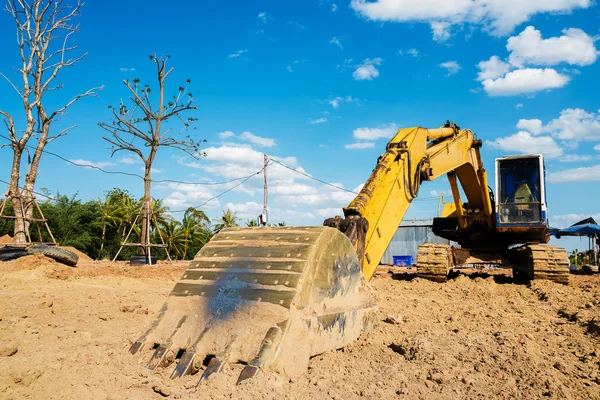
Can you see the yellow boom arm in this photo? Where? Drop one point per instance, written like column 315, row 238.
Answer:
column 412, row 156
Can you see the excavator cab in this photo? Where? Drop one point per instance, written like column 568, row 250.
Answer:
column 521, row 195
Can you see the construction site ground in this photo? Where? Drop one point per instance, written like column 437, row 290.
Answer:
column 65, row 334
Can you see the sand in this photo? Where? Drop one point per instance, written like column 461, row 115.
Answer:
column 64, row 334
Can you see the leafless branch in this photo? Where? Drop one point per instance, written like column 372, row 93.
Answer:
column 91, row 92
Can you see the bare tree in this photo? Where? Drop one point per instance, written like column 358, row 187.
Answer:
column 144, row 125
column 43, row 29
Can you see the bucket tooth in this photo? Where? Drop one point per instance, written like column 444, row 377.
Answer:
column 214, row 367
column 161, row 358
column 188, row 365
column 249, row 371
column 137, row 346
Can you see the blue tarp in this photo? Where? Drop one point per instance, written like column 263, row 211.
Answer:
column 577, row 230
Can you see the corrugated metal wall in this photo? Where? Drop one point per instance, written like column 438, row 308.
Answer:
column 409, row 236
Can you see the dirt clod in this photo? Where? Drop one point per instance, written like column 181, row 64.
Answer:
column 8, row 349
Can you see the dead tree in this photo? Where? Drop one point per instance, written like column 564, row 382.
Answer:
column 43, row 29
column 146, row 124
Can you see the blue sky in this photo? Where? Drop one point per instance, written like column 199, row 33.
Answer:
column 321, row 85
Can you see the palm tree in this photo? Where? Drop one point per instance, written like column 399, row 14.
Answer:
column 251, row 223
column 174, row 238
column 159, row 212
column 227, row 220
column 194, row 227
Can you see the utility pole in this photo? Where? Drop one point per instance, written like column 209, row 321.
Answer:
column 263, row 219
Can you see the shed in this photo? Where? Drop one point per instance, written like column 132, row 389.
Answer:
column 409, row 236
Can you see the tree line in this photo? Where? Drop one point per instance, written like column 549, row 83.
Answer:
column 98, row 227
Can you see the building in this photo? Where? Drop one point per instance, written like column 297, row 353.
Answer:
column 407, row 239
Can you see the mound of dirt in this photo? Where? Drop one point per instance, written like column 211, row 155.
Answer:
column 6, row 239
column 82, row 255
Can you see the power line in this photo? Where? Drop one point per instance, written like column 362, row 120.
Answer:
column 135, row 175
column 335, row 186
column 222, row 193
column 33, row 191
column 312, row 177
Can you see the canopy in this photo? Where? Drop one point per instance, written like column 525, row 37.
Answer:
column 577, row 230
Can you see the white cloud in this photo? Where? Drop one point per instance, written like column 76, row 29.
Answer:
column 451, row 67
column 238, row 53
column 247, row 210
column 360, row 146
column 128, row 160
column 226, row 134
column 574, row 124
column 492, row 69
column 334, row 7
column 386, row 131
column 584, row 174
column 336, row 41
column 500, row 78
column 126, row 69
column 154, row 170
column 519, row 106
column 257, row 140
column 575, row 47
column 437, row 193
column 329, row 212
column 182, row 196
column 87, row 163
column 290, row 67
column 525, row 81
column 413, row 52
column 318, row 120
column 441, row 30
column 498, row 17
column 597, row 147
column 263, row 17
column 526, row 143
column 575, row 158
column 566, row 220
column 367, row 70
column 534, row 126
column 335, row 101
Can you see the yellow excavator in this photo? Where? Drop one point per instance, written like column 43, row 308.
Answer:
column 272, row 297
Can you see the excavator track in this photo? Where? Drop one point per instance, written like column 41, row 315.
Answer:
column 269, row 298
column 434, row 261
column 549, row 262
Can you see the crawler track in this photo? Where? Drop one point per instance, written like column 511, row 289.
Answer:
column 434, row 261
column 549, row 262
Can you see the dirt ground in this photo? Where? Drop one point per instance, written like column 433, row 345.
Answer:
column 65, row 332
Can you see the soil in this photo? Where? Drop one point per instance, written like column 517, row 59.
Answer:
column 82, row 256
column 6, row 239
column 65, row 333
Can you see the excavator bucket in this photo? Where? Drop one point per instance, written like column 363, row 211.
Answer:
column 269, row 298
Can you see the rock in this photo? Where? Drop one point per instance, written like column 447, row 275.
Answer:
column 8, row 349
column 589, row 305
column 439, row 378
column 394, row 320
column 468, row 380
column 163, row 391
column 559, row 365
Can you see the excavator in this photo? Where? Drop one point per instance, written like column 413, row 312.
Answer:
column 272, row 297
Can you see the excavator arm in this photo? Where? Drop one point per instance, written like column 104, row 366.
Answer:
column 272, row 297
column 412, row 156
